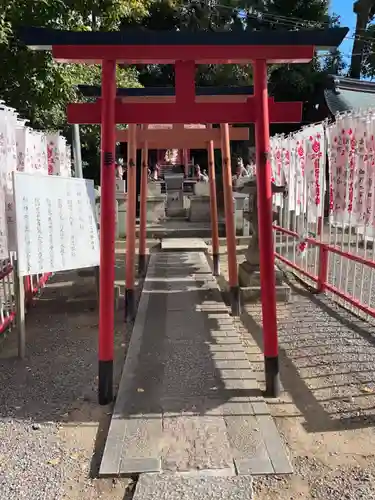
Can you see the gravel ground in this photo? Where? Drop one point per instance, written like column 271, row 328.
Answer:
column 52, row 430
column 326, row 414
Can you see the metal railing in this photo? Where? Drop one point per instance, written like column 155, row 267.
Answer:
column 8, row 299
column 336, row 260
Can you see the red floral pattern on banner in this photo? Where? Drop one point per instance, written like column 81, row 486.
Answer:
column 316, row 158
column 51, row 158
column 300, row 149
column 351, row 142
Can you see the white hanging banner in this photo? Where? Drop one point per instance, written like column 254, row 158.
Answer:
column 53, row 153
column 8, row 125
column 4, row 249
column 315, row 171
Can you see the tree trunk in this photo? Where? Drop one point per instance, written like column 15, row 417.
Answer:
column 362, row 9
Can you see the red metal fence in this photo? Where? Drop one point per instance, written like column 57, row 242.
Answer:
column 8, row 299
column 338, row 262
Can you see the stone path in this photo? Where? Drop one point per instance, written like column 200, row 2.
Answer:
column 188, row 400
column 179, row 487
column 183, row 244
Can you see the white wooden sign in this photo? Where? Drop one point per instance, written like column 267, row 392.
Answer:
column 55, row 223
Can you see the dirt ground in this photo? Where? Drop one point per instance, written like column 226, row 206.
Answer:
column 326, row 414
column 52, row 430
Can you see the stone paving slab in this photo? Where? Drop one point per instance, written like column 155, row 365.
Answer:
column 188, row 399
column 180, row 487
column 183, row 244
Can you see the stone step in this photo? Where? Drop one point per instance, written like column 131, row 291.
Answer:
column 199, row 487
column 191, row 231
column 254, row 293
column 176, row 212
column 250, row 276
column 183, row 245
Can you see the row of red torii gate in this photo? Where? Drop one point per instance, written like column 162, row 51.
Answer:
column 185, row 51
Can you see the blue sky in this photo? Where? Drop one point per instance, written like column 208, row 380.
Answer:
column 344, row 8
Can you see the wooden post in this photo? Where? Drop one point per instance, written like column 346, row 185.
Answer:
column 185, row 158
column 229, row 222
column 131, row 225
column 143, row 213
column 19, row 291
column 213, row 207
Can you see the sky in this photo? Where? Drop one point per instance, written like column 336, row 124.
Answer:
column 344, row 8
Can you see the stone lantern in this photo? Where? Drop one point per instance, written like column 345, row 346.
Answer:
column 249, row 271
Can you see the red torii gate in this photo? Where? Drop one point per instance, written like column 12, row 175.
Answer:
column 179, row 137
column 167, row 95
column 185, row 50
column 290, row 112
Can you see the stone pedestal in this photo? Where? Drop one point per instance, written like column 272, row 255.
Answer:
column 199, row 209
column 121, row 199
column 188, row 186
column 239, row 206
column 174, row 181
column 249, row 279
column 199, row 203
column 202, row 189
column 155, row 208
column 239, row 182
column 175, row 199
column 120, row 186
column 154, row 188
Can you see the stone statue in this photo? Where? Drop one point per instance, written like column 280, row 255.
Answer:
column 155, row 175
column 119, row 169
column 250, row 188
column 197, row 169
column 241, row 170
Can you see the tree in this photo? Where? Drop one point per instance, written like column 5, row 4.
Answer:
column 295, row 81
column 364, row 10
column 196, row 15
column 38, row 87
column 287, row 82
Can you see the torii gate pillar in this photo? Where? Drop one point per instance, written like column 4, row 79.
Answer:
column 230, row 229
column 266, row 247
column 213, row 208
column 143, row 212
column 107, row 234
column 131, row 224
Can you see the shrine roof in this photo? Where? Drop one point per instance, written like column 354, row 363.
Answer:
column 348, row 94
column 95, row 91
column 143, row 46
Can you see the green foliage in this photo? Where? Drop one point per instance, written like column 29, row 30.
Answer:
column 194, row 16
column 368, row 61
column 38, row 87
column 288, row 82
column 295, row 81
